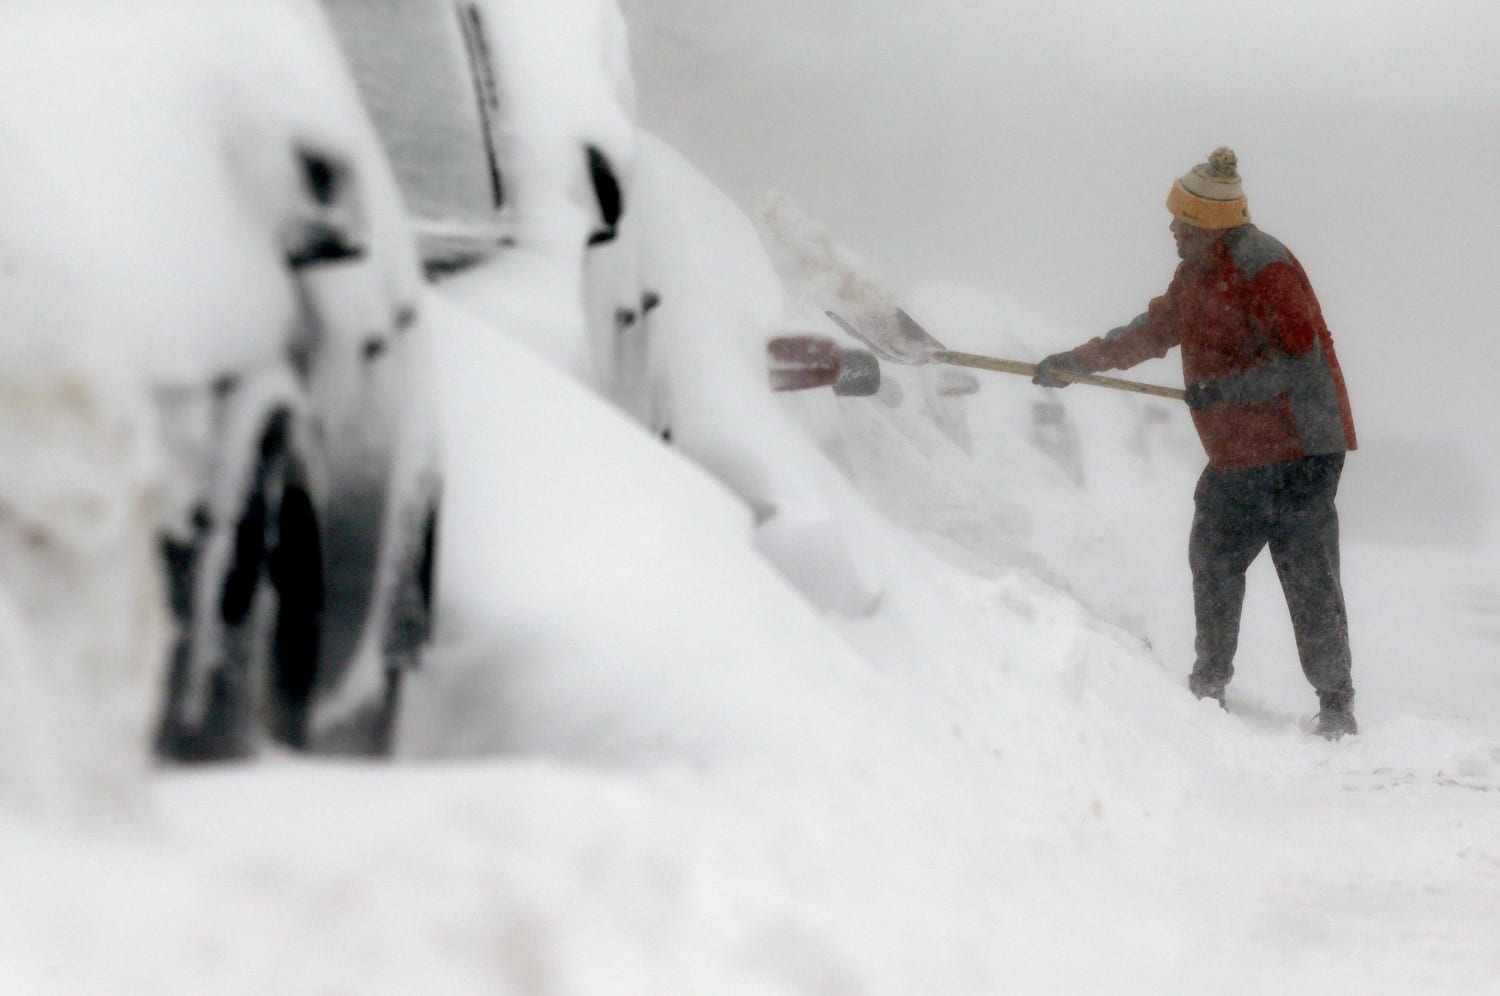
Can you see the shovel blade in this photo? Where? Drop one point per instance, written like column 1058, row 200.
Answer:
column 894, row 336
column 802, row 362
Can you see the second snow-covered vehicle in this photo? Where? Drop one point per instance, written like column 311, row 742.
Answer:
column 511, row 129
column 199, row 185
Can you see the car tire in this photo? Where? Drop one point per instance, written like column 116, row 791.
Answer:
column 371, row 731
column 295, row 572
column 268, row 602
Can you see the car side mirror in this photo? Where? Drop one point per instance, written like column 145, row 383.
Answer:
column 607, row 193
column 328, row 223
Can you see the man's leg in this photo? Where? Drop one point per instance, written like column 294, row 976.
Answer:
column 1305, row 548
column 1229, row 530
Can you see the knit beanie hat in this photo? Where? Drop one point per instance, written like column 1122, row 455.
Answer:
column 1209, row 195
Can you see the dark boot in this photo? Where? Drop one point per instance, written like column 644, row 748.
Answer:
column 1335, row 718
column 1206, row 688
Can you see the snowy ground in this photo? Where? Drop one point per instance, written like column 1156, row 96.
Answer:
column 1013, row 798
column 642, row 760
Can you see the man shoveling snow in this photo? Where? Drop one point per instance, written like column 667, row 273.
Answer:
column 1270, row 407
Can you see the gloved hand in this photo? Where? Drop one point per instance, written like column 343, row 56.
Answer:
column 1203, row 394
column 1046, row 371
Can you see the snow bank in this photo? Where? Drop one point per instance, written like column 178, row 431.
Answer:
column 721, row 303
column 600, row 599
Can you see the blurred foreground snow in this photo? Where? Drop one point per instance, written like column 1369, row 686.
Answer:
column 82, row 610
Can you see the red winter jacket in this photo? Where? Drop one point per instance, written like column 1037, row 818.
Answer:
column 1247, row 320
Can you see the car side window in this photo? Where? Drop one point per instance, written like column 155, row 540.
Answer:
column 486, row 90
column 423, row 70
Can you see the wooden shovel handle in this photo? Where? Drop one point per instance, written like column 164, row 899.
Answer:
column 1029, row 370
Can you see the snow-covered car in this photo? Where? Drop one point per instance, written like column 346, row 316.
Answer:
column 511, row 130
column 201, row 181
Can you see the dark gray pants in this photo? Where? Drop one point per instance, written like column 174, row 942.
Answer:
column 1289, row 507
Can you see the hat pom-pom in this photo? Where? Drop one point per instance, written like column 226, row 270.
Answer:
column 1222, row 162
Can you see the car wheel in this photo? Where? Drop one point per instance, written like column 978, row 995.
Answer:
column 268, row 601
column 294, row 568
column 372, row 730
column 224, row 728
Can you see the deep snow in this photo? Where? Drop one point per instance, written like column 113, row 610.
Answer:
column 927, row 733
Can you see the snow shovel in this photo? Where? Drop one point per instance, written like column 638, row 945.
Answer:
column 798, row 362
column 911, row 344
